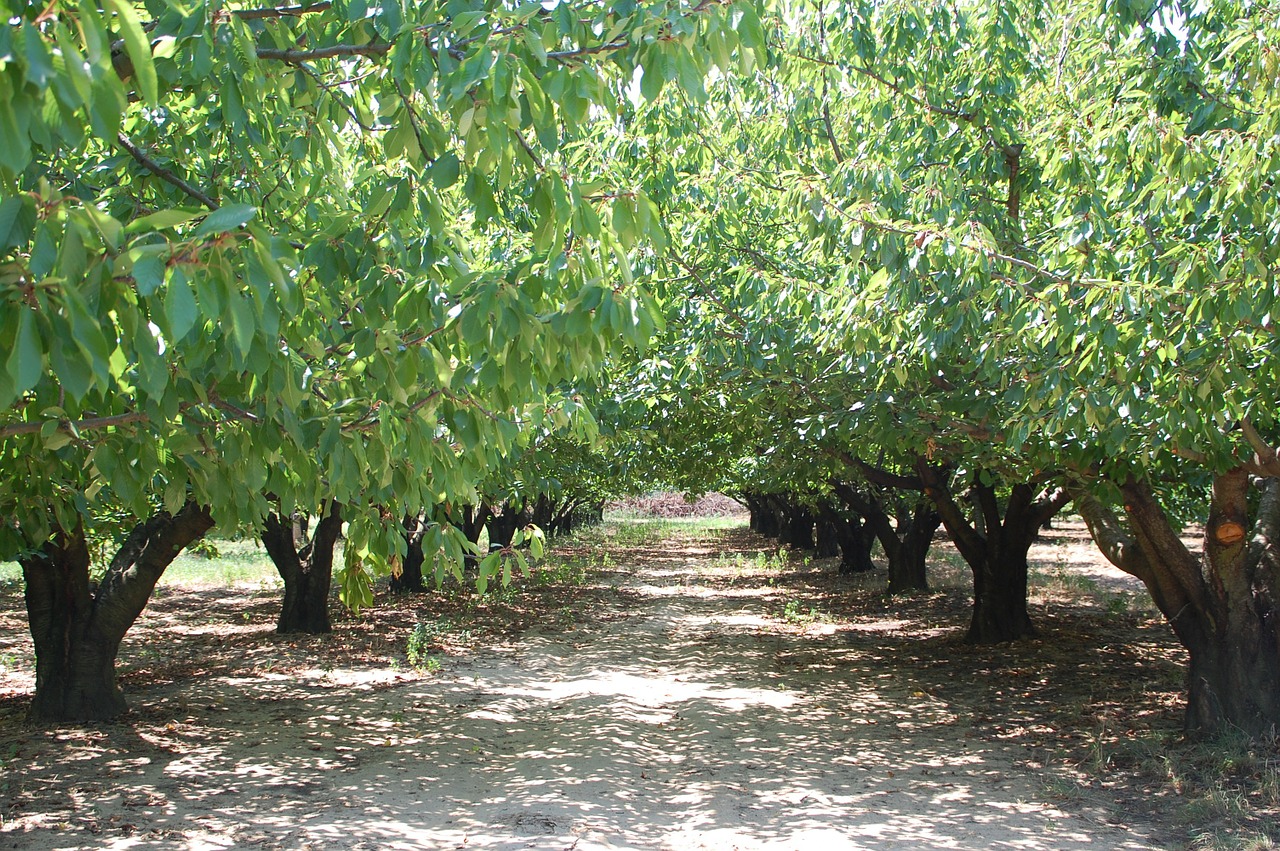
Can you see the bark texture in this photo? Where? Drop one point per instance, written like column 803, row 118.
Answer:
column 410, row 579
column 305, row 563
column 905, row 536
column 994, row 543
column 77, row 627
column 1223, row 605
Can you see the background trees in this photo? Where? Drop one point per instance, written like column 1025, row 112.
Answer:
column 260, row 260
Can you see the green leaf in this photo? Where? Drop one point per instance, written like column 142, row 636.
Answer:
column 26, row 361
column 226, row 218
column 15, row 144
column 179, row 307
column 148, row 274
column 445, row 171
column 533, row 41
column 243, row 323
column 39, row 64
column 139, row 49
column 15, row 223
column 162, row 219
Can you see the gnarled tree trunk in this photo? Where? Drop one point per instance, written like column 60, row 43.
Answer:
column 77, row 628
column 852, row 536
column 306, row 566
column 995, row 549
column 1224, row 606
column 905, row 541
column 796, row 522
column 767, row 515
column 410, row 579
column 503, row 526
column 826, row 538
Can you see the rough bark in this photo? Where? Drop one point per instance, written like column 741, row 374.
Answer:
column 913, row 537
column 994, row 544
column 473, row 523
column 77, row 628
column 765, row 513
column 305, row 563
column 905, row 537
column 1223, row 606
column 754, row 507
column 503, row 525
column 853, row 537
column 796, row 522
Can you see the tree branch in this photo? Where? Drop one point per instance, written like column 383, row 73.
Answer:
column 878, row 475
column 335, row 51
column 89, row 424
column 570, row 55
column 1117, row 545
column 1265, row 461
column 163, row 173
column 280, row 12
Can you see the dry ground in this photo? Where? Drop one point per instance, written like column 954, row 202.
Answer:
column 688, row 691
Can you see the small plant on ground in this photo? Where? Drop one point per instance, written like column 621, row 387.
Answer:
column 571, row 572
column 1227, row 787
column 426, row 639
column 796, row 613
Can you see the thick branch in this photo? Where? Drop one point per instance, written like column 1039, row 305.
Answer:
column 280, row 12
column 335, row 51
column 1049, row 505
column 1013, row 159
column 1117, row 545
column 90, row 424
column 1265, row 461
column 968, row 540
column 1162, row 544
column 879, row 476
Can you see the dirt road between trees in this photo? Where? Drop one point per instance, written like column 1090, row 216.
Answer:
column 692, row 700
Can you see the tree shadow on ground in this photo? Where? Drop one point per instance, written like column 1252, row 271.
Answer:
column 686, row 706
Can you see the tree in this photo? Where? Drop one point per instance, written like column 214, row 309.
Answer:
column 304, row 560
column 329, row 252
column 77, row 623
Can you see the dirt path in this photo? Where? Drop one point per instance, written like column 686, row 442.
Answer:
column 680, row 717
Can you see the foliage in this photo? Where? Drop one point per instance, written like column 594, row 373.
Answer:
column 329, row 251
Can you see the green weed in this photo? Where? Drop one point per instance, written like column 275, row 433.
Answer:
column 795, row 613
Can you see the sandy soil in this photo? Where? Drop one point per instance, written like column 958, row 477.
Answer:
column 686, row 702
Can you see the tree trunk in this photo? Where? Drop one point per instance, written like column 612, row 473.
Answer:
column 306, row 566
column 474, row 519
column 995, row 549
column 852, row 536
column 503, row 526
column 906, row 543
column 797, row 524
column 410, row 579
column 768, row 517
column 913, row 538
column 1224, row 606
column 827, row 540
column 77, row 629
column 1000, row 597
column 543, row 512
column 752, row 502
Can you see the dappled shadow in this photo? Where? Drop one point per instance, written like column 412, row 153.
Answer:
column 701, row 712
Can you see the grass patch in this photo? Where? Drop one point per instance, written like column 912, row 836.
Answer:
column 220, row 563
column 225, row 563
column 1224, row 789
